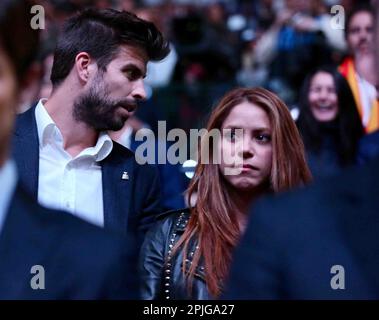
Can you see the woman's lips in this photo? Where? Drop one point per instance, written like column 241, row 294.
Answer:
column 247, row 167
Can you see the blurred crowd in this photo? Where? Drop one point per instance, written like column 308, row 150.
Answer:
column 217, row 45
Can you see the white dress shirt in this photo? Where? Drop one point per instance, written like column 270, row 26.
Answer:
column 67, row 183
column 8, row 180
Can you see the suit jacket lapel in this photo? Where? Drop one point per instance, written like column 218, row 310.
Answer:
column 26, row 151
column 116, row 190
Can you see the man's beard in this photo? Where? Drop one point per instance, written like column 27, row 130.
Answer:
column 98, row 111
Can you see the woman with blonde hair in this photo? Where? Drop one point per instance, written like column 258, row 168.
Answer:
column 187, row 254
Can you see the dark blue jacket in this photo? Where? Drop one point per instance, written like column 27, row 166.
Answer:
column 173, row 181
column 80, row 261
column 368, row 148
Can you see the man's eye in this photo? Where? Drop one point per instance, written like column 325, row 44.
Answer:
column 132, row 75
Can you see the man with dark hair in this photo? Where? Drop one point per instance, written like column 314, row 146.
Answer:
column 359, row 67
column 47, row 254
column 65, row 157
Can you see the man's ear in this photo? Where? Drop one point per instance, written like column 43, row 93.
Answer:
column 83, row 66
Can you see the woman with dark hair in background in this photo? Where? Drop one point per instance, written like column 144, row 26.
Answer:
column 328, row 122
column 188, row 253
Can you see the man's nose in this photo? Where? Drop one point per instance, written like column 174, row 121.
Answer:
column 139, row 92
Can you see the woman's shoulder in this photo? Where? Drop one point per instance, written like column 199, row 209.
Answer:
column 174, row 219
column 168, row 223
column 173, row 213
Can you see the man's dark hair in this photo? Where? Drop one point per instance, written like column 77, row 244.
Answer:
column 362, row 7
column 100, row 33
column 15, row 18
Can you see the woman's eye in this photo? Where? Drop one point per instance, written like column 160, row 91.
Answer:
column 263, row 137
column 233, row 135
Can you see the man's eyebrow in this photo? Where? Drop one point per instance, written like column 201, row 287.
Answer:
column 135, row 68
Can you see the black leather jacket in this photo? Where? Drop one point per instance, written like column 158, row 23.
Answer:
column 161, row 274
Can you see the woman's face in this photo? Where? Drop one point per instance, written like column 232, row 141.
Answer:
column 246, row 148
column 322, row 97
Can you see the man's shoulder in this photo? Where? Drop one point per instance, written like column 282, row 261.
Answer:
column 25, row 120
column 356, row 184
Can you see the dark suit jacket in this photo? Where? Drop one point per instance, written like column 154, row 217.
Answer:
column 368, row 147
column 80, row 261
column 174, row 182
column 292, row 242
column 128, row 204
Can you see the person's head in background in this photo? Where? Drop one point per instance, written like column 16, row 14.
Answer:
column 99, row 65
column 327, row 104
column 270, row 156
column 15, row 58
column 127, row 5
column 359, row 30
column 298, row 6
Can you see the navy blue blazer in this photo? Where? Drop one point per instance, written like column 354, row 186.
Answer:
column 293, row 241
column 173, row 181
column 368, row 147
column 80, row 261
column 128, row 204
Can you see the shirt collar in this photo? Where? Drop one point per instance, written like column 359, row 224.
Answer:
column 8, row 180
column 45, row 124
column 47, row 128
column 102, row 149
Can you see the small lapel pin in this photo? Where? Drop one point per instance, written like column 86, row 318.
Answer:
column 125, row 176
